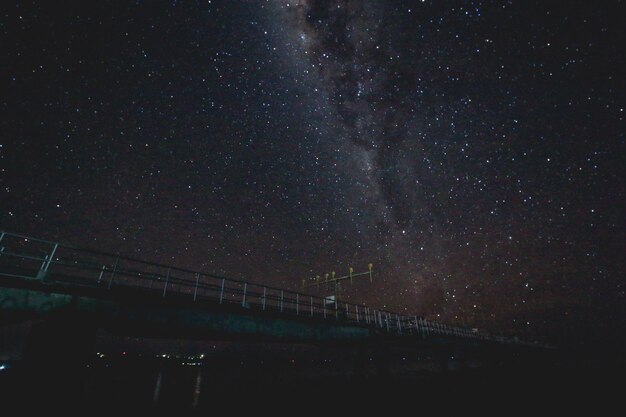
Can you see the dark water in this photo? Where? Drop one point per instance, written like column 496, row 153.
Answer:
column 299, row 384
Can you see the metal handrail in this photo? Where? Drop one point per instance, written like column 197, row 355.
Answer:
column 231, row 291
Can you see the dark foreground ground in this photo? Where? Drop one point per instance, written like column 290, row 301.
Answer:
column 289, row 383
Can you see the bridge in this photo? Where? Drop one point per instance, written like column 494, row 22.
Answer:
column 77, row 290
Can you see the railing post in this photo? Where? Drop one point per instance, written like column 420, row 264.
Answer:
column 336, row 309
column 347, row 312
column 387, row 321
column 398, row 324
column 167, row 280
column 117, row 260
column 101, row 273
column 282, row 296
column 46, row 263
column 311, row 306
column 324, row 306
column 222, row 291
column 245, row 288
column 356, row 307
column 195, row 291
column 297, row 303
column 264, row 292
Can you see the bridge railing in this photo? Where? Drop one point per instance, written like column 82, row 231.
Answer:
column 25, row 257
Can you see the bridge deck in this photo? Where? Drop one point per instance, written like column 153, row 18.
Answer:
column 38, row 276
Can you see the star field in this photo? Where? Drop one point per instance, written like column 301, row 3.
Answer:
column 471, row 150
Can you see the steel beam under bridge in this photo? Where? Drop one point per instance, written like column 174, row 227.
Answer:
column 154, row 317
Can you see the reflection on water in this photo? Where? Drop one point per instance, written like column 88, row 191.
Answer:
column 196, row 391
column 157, row 387
column 201, row 383
column 164, row 382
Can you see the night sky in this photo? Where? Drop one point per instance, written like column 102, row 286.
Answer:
column 473, row 151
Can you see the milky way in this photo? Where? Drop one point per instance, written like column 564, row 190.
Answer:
column 343, row 43
column 436, row 108
column 471, row 150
